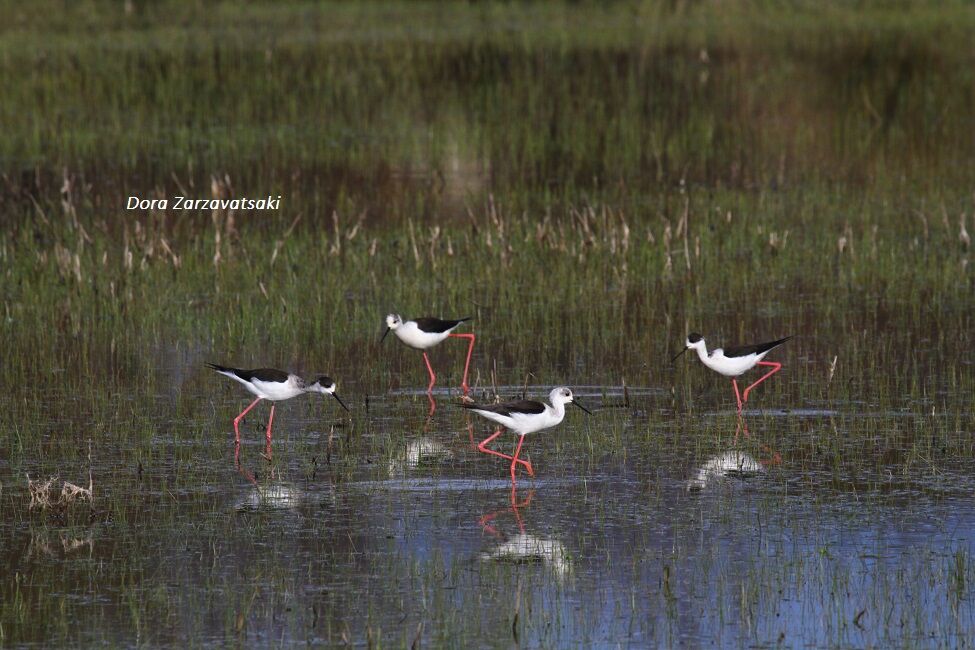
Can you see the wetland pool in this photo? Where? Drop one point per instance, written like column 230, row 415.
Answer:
column 643, row 526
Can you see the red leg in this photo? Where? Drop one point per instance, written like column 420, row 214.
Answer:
column 270, row 421
column 775, row 368
column 241, row 417
column 737, row 396
column 515, row 462
column 433, row 406
column 483, row 445
column 267, row 452
column 433, row 377
column 514, row 459
column 467, row 364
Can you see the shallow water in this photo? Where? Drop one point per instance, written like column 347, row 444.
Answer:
column 641, row 527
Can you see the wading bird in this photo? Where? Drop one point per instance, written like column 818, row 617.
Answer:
column 733, row 362
column 275, row 386
column 524, row 417
column 424, row 333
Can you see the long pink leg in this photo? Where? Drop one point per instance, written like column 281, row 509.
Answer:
column 483, row 445
column 433, row 377
column 241, row 417
column 467, row 364
column 775, row 368
column 515, row 461
column 737, row 396
column 267, row 453
column 433, row 407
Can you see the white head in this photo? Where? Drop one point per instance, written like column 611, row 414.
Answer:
column 326, row 386
column 562, row 395
column 393, row 321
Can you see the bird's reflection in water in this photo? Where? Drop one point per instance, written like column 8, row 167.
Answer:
column 419, row 453
column 734, row 466
column 728, row 466
column 523, row 547
column 269, row 494
column 272, row 496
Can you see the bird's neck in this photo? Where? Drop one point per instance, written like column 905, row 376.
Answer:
column 702, row 352
column 557, row 409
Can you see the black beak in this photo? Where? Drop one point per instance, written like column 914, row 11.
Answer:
column 582, row 407
column 384, row 335
column 339, row 399
column 678, row 354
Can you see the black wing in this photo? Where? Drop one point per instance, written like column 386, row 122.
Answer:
column 758, row 348
column 261, row 374
column 526, row 406
column 436, row 326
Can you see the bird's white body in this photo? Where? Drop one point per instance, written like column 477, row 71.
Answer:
column 734, row 361
column 727, row 366
column 424, row 333
column 274, row 391
column 278, row 391
column 524, row 417
column 274, row 386
column 411, row 334
column 525, row 423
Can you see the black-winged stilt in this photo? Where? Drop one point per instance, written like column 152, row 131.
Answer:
column 733, row 362
column 274, row 386
column 424, row 333
column 524, row 417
